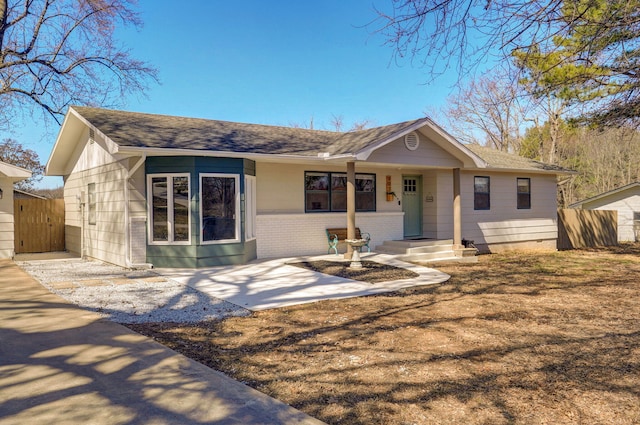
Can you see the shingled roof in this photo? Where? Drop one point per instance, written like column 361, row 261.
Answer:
column 508, row 161
column 132, row 129
column 140, row 130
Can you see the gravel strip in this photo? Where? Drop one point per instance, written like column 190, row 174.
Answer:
column 126, row 295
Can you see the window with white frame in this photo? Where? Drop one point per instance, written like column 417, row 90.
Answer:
column 169, row 208
column 250, row 207
column 219, row 208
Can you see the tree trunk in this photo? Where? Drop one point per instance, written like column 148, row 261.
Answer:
column 3, row 21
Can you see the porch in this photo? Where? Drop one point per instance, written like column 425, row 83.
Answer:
column 286, row 235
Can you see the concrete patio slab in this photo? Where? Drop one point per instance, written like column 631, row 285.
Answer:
column 273, row 283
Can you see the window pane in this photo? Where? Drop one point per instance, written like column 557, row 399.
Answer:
column 180, row 209
column 365, row 201
column 339, row 182
column 524, row 193
column 317, row 191
column 338, row 192
column 481, row 197
column 316, row 181
column 365, row 192
column 218, row 205
column 318, row 201
column 338, row 200
column 160, row 205
column 481, row 185
column 524, row 201
column 523, row 185
column 250, row 207
column 365, row 183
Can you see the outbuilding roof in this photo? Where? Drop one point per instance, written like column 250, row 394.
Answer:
column 603, row 195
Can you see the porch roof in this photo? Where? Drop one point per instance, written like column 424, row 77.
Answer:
column 14, row 173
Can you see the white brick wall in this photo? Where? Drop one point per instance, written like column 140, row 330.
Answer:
column 286, row 235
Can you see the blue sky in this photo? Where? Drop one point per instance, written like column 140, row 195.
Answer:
column 268, row 62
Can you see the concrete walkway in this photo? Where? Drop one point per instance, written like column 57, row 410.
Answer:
column 60, row 364
column 273, row 283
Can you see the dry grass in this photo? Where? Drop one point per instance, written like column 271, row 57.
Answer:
column 521, row 338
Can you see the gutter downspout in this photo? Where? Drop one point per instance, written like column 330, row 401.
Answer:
column 127, row 235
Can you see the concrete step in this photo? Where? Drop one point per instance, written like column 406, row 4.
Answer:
column 424, row 250
column 413, row 243
column 414, row 247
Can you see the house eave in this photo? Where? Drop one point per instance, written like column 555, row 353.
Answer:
column 258, row 157
column 522, row 170
column 13, row 173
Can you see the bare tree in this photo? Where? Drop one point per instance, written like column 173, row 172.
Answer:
column 14, row 153
column 487, row 111
column 54, row 53
column 336, row 124
column 584, row 51
column 440, row 33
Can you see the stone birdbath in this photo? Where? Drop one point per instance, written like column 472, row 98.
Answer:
column 356, row 244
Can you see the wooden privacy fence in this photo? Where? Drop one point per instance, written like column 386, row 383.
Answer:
column 587, row 228
column 39, row 225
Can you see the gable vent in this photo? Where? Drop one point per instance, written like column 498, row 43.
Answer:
column 92, row 135
column 412, row 141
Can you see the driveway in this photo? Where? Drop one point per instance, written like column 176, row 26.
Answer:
column 60, row 364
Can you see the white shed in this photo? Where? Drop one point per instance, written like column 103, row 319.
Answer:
column 9, row 174
column 626, row 201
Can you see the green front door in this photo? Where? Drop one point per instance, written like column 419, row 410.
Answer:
column 412, row 205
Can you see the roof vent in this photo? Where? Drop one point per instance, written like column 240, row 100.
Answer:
column 92, row 135
column 412, row 141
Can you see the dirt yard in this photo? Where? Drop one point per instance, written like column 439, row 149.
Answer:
column 522, row 338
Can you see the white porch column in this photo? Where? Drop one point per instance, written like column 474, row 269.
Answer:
column 457, row 214
column 351, row 206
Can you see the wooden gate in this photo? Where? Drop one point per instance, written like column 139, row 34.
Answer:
column 39, row 225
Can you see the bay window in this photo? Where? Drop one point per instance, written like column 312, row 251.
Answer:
column 219, row 208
